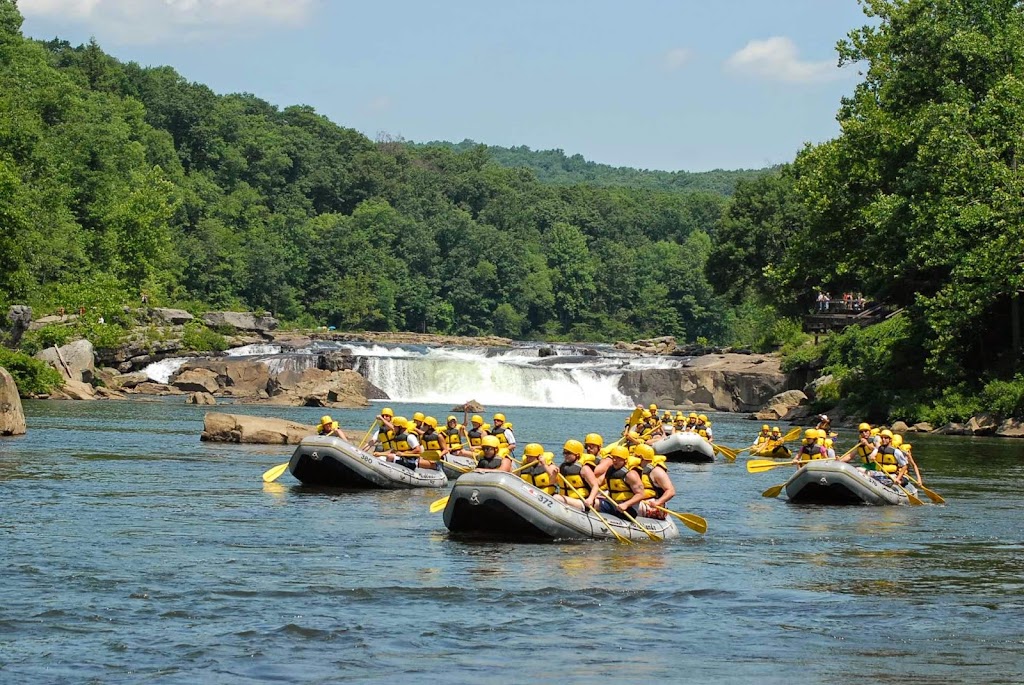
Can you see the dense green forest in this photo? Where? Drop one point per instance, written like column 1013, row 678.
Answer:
column 117, row 179
column 554, row 166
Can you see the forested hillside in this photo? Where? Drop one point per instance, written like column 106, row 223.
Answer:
column 118, row 179
column 554, row 166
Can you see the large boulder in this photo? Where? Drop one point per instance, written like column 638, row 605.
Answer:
column 319, row 388
column 20, row 318
column 242, row 321
column 240, row 428
column 170, row 317
column 472, row 407
column 203, row 398
column 726, row 382
column 811, row 389
column 12, row 417
column 1011, row 428
column 663, row 345
column 238, row 378
column 899, row 427
column 922, row 427
column 75, row 361
column 74, row 390
column 982, row 424
column 196, row 380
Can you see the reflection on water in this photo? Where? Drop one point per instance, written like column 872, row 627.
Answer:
column 134, row 552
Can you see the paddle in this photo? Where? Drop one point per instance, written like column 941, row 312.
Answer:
column 773, row 491
column 692, row 521
column 930, row 494
column 618, row 536
column 790, row 435
column 272, row 474
column 759, row 465
column 914, row 500
column 439, row 504
column 362, row 443
column 630, row 517
column 726, row 452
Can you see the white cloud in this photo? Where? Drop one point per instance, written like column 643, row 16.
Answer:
column 676, row 58
column 153, row 21
column 777, row 59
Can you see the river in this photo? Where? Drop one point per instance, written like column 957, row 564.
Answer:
column 134, row 553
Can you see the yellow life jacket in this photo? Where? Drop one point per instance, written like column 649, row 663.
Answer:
column 618, row 488
column 887, row 458
column 762, row 439
column 386, row 438
column 813, row 452
column 538, row 477
column 400, row 442
column 431, row 446
column 483, row 462
column 454, row 438
column 475, row 436
column 500, row 435
column 650, row 489
column 573, row 475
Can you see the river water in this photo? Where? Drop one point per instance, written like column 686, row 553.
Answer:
column 134, row 553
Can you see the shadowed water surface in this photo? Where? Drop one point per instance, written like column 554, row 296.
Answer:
column 133, row 552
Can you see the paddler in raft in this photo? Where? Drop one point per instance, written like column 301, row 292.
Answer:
column 621, row 474
column 329, row 427
column 577, row 469
column 504, row 434
column 761, row 442
column 382, row 432
column 810, row 449
column 657, row 484
column 434, row 445
column 405, row 447
column 537, row 470
column 457, row 438
column 489, row 458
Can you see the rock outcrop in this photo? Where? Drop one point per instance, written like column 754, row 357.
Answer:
column 319, row 388
column 472, row 406
column 12, row 416
column 203, row 398
column 241, row 321
column 240, row 428
column 170, row 317
column 75, row 361
column 663, row 345
column 20, row 318
column 726, row 382
column 782, row 405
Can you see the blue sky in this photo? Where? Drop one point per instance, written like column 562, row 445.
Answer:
column 658, row 84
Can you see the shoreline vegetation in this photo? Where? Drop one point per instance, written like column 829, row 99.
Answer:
column 123, row 185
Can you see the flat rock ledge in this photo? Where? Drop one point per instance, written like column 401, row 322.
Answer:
column 253, row 430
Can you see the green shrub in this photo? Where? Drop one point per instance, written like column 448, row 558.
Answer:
column 30, row 375
column 199, row 338
column 52, row 335
column 1005, row 398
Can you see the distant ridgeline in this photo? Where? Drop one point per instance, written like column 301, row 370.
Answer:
column 554, row 166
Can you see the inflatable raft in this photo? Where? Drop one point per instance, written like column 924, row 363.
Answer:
column 777, row 452
column 827, row 481
column 455, row 466
column 686, row 447
column 503, row 505
column 332, row 462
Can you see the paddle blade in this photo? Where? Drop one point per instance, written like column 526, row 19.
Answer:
column 930, row 494
column 759, row 465
column 695, row 523
column 439, row 504
column 637, row 414
column 270, row 475
column 773, row 491
column 793, row 434
column 726, row 452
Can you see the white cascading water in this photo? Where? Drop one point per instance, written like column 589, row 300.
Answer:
column 441, row 376
column 162, row 371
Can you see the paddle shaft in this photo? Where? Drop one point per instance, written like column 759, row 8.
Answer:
column 629, row 516
column 617, row 534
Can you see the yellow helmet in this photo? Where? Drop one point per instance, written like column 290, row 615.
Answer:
column 776, row 429
column 653, row 408
column 450, row 419
column 325, row 420
column 400, row 422
column 574, row 446
column 418, row 416
column 593, row 439
column 811, row 434
column 703, row 417
column 499, row 417
column 387, row 411
column 897, row 440
column 644, row 452
column 822, row 433
column 619, row 451
column 486, row 427
column 548, row 457
column 864, row 427
column 693, row 414
column 489, row 441
column 633, row 435
column 886, row 433
column 477, row 419
column 534, row 449
column 430, row 421
column 874, row 431
column 906, row 447
column 680, row 416
column 765, row 428
column 646, row 414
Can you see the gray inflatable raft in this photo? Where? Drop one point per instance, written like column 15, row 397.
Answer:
column 332, row 462
column 503, row 505
column 827, row 481
column 455, row 466
column 685, row 447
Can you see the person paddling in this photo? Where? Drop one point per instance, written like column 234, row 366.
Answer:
column 405, row 446
column 577, row 469
column 434, row 445
column 489, row 459
column 621, row 472
column 329, row 428
column 457, row 438
column 657, row 484
column 810, row 448
column 537, row 471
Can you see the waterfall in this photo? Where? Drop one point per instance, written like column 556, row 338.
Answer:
column 162, row 371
